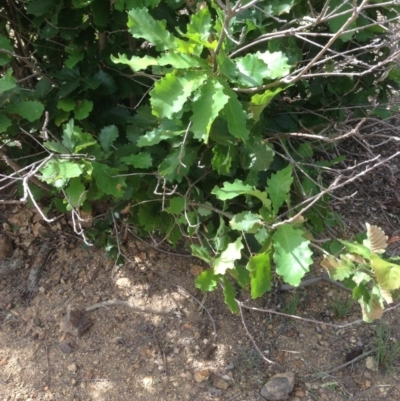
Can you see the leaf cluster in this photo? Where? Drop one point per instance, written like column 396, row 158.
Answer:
column 170, row 112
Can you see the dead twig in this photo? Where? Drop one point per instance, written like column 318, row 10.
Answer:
column 250, row 336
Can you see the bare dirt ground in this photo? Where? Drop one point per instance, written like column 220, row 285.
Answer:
column 160, row 345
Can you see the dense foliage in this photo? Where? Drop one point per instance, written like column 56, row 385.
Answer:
column 197, row 120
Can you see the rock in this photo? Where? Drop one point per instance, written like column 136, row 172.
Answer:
column 21, row 219
column 278, row 387
column 72, row 368
column 201, row 375
column 220, row 383
column 74, row 322
column 370, row 364
column 6, row 247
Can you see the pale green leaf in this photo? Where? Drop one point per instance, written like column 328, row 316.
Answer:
column 108, row 136
column 206, row 281
column 260, row 101
column 245, row 221
column 278, row 187
column 210, row 101
column 277, row 64
column 29, row 109
column 337, row 269
column 201, row 23
column 7, row 81
column 232, row 190
column 181, row 61
column 261, row 235
column 171, row 92
column 229, row 296
column 259, row 267
column 83, row 109
column 387, row 274
column 76, row 192
column 58, row 172
column 292, row 254
column 142, row 25
column 140, row 160
column 356, row 248
column 135, row 63
column 227, row 258
column 371, row 309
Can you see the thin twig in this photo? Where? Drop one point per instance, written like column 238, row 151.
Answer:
column 240, row 304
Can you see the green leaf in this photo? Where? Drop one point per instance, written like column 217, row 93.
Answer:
column 76, row 192
column 140, row 160
column 278, row 187
column 387, row 273
column 7, row 82
column 5, row 44
column 201, row 253
column 81, row 3
column 206, row 281
column 261, row 236
column 232, row 190
column 176, row 205
column 73, row 59
column 142, row 25
column 167, row 130
column 223, row 158
column 83, row 109
column 5, row 122
column 358, row 249
column 337, row 269
column 171, row 92
column 40, row 7
column 336, row 23
column 292, row 254
column 259, row 267
column 228, row 257
column 257, row 155
column 235, row 116
column 108, row 135
column 251, row 70
column 260, row 101
column 229, row 296
column 105, row 180
column 276, row 62
column 58, row 172
column 211, row 100
column 135, row 63
column 201, row 24
column 55, row 147
column 245, row 221
column 28, row 109
column 278, row 7
column 66, row 104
